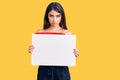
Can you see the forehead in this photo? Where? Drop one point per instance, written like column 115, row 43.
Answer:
column 53, row 12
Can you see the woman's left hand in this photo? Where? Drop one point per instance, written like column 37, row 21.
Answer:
column 76, row 52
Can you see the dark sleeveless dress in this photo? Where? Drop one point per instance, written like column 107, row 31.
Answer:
column 53, row 73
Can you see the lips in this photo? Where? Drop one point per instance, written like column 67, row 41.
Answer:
column 54, row 23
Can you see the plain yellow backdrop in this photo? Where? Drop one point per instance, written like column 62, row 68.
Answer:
column 95, row 22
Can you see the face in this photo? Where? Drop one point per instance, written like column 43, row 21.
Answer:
column 54, row 18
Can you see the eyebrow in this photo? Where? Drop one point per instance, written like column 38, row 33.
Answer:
column 56, row 15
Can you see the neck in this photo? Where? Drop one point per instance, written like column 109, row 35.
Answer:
column 55, row 28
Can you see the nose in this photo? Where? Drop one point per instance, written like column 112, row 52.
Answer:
column 54, row 19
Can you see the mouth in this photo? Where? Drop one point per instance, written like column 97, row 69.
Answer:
column 54, row 23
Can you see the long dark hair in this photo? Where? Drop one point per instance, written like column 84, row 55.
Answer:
column 57, row 7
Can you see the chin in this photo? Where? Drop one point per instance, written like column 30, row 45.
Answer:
column 55, row 24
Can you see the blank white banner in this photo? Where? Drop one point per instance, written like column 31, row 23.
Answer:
column 53, row 50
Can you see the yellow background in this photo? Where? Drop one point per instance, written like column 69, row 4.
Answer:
column 95, row 22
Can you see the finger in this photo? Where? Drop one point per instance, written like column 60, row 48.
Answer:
column 76, row 50
column 76, row 55
column 30, row 50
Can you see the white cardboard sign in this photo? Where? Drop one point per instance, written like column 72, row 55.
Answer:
column 53, row 50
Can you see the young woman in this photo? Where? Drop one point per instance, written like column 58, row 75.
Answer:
column 54, row 21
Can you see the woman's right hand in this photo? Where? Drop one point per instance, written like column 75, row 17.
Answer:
column 31, row 48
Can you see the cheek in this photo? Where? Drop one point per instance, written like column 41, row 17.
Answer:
column 50, row 19
column 59, row 20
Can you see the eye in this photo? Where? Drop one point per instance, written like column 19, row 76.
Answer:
column 51, row 15
column 58, row 15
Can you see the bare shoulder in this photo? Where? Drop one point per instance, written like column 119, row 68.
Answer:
column 67, row 32
column 40, row 30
